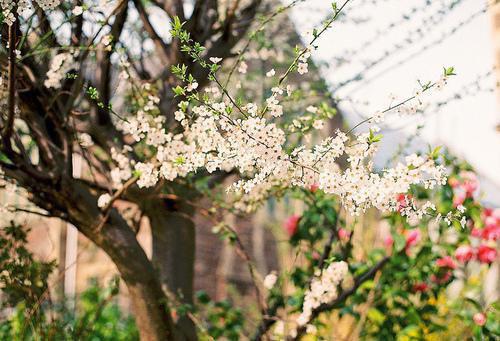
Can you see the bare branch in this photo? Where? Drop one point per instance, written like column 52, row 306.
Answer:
column 158, row 41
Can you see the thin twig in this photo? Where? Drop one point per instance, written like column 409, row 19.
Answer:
column 252, row 36
column 9, row 123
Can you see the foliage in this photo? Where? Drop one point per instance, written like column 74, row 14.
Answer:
column 221, row 318
column 408, row 298
column 22, row 277
column 25, row 286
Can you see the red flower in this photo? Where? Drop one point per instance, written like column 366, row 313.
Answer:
column 442, row 278
column 479, row 319
column 491, row 232
column 486, row 254
column 344, row 234
column 446, row 262
column 403, row 201
column 291, row 224
column 487, row 212
column 464, row 253
column 422, row 286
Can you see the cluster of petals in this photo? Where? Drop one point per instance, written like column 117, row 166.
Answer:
column 483, row 240
column 60, row 65
column 324, row 289
column 10, row 7
column 216, row 135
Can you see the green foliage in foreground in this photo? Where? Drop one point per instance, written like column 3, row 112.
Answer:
column 28, row 313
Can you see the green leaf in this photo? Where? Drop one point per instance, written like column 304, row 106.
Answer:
column 399, row 242
column 449, row 71
column 376, row 316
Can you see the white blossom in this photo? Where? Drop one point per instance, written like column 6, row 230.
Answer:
column 323, row 289
column 103, row 200
column 270, row 280
column 77, row 10
column 60, row 65
column 270, row 73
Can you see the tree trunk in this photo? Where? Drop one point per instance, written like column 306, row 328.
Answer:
column 118, row 240
column 148, row 300
column 173, row 235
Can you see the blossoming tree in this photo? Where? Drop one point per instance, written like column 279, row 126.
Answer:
column 79, row 80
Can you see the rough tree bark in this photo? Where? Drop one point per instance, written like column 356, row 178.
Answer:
column 55, row 116
column 173, row 237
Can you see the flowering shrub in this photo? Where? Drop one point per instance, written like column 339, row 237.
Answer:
column 408, row 295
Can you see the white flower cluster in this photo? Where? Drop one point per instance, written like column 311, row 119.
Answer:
column 323, row 289
column 215, row 136
column 275, row 109
column 123, row 171
column 359, row 188
column 302, row 65
column 9, row 6
column 60, row 65
column 412, row 212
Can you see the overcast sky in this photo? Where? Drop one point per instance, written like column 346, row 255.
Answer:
column 440, row 35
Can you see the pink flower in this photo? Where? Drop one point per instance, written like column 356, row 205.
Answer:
column 412, row 238
column 291, row 224
column 476, row 232
column 490, row 221
column 403, row 201
column 470, row 182
column 344, row 234
column 459, row 198
column 446, row 262
column 314, row 188
column 479, row 319
column 389, row 241
column 496, row 213
column 464, row 253
column 486, row 254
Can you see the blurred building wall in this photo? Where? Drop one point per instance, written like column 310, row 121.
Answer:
column 495, row 19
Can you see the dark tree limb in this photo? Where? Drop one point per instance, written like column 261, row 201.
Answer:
column 77, row 26
column 163, row 48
